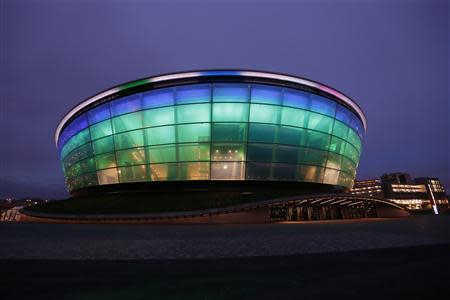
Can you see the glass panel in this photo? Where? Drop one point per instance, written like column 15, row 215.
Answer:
column 323, row 105
column 294, row 117
column 231, row 92
column 99, row 113
column 348, row 166
column 257, row 171
column 126, row 105
column 195, row 113
column 230, row 112
column 105, row 161
column 340, row 129
column 286, row 154
column 227, row 170
column 310, row 174
column 337, row 145
column 292, row 136
column 130, row 139
column 296, row 98
column 334, row 161
column 133, row 174
column 345, row 180
column 193, row 133
column 77, row 140
column 101, row 129
column 130, row 157
column 87, row 165
column 193, row 171
column 158, row 98
column 357, row 125
column 266, row 94
column 314, row 157
column 259, row 152
column 262, row 133
column 320, row 122
column 160, row 135
column 343, row 114
column 354, row 139
column 318, row 140
column 127, row 122
column 163, row 172
column 193, row 93
column 229, row 132
column 351, row 152
column 331, row 176
column 108, row 176
column 228, row 152
column 159, row 116
column 73, row 128
column 77, row 155
column 89, row 179
column 103, row 145
column 284, row 172
column 264, row 113
column 161, row 154
column 193, row 152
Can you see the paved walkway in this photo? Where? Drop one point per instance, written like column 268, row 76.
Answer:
column 129, row 242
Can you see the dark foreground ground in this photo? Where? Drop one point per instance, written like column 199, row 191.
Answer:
column 353, row 259
column 421, row 272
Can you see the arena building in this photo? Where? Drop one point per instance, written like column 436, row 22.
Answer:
column 228, row 136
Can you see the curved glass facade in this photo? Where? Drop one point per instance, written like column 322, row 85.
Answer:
column 213, row 131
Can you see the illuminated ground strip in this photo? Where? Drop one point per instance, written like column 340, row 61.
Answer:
column 310, row 200
column 302, row 81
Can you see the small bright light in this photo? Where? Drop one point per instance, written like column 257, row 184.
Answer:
column 225, row 167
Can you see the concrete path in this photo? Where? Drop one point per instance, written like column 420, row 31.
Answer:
column 132, row 242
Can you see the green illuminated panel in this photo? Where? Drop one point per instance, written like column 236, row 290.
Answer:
column 314, row 157
column 193, row 113
column 354, row 139
column 105, row 161
column 101, row 129
column 130, row 139
column 320, row 122
column 318, row 140
column 223, row 132
column 294, row 117
column 130, row 157
column 193, row 133
column 162, row 154
column 127, row 122
column 160, row 135
column 77, row 140
column 340, row 129
column 230, row 112
column 103, row 145
column 159, row 116
column 264, row 113
column 262, row 133
column 193, row 152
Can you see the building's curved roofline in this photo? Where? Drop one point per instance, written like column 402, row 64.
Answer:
column 207, row 73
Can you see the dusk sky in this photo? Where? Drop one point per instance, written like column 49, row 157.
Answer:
column 391, row 57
